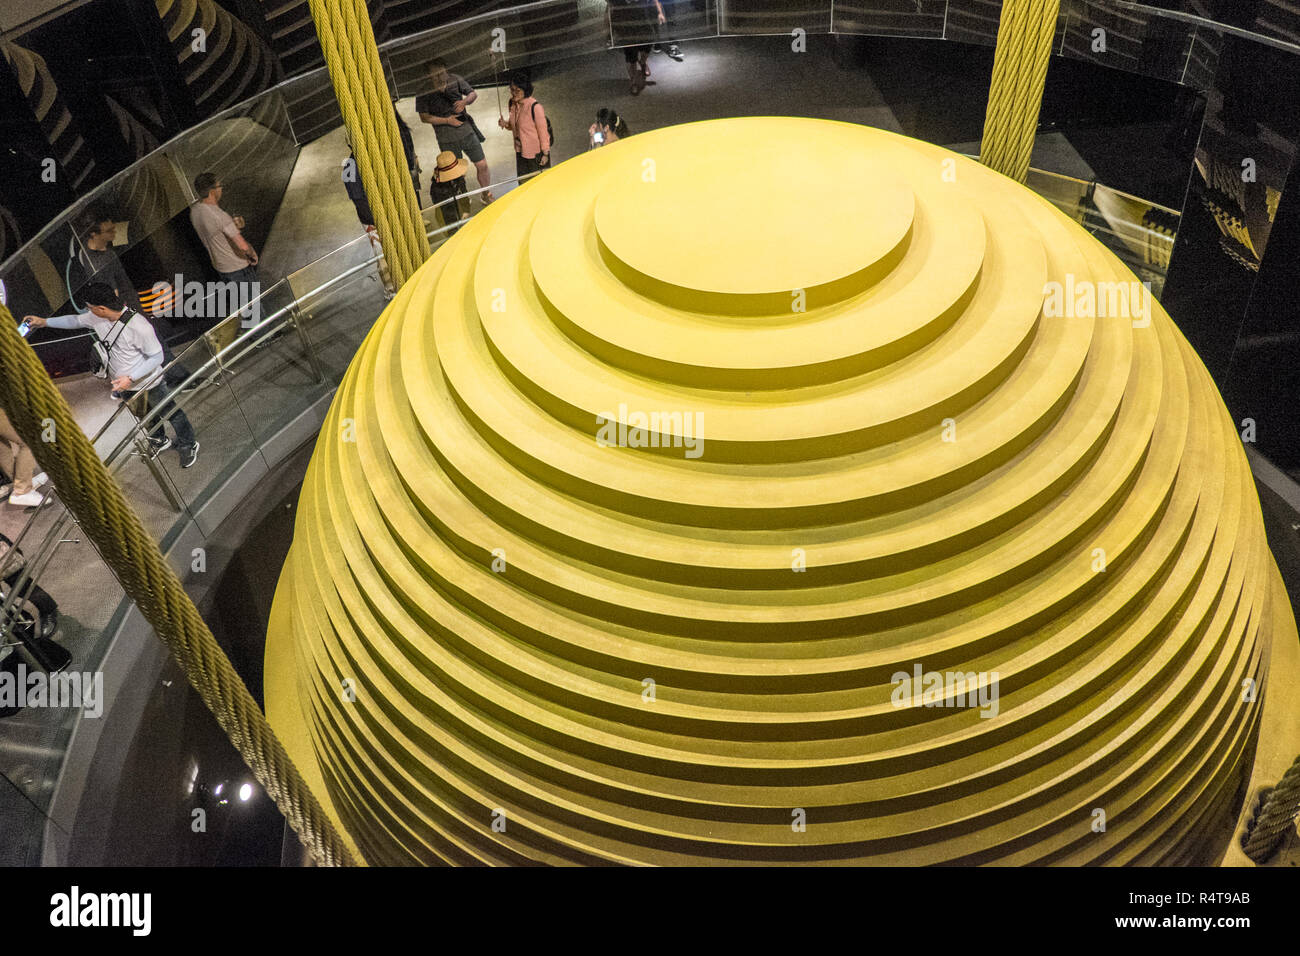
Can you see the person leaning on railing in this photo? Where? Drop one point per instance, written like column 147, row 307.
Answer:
column 134, row 359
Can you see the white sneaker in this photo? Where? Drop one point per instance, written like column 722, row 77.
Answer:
column 5, row 489
column 38, row 480
column 29, row 500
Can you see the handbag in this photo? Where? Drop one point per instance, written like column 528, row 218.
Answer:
column 474, row 127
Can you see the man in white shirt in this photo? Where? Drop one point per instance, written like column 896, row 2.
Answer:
column 232, row 255
column 135, row 359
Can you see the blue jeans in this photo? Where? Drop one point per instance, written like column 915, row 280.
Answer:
column 246, row 281
column 157, row 396
column 246, row 274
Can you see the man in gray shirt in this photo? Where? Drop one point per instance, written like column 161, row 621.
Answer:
column 135, row 359
column 99, row 263
column 443, row 108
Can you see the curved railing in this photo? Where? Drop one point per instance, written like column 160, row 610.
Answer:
column 246, row 391
column 1172, row 45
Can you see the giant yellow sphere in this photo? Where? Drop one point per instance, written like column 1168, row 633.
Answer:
column 775, row 490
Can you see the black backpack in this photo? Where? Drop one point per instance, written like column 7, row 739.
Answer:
column 550, row 133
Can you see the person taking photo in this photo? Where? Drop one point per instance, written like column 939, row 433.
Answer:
column 134, row 358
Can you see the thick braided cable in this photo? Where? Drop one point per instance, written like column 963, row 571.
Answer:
column 100, row 508
column 348, row 41
column 1276, row 816
column 1020, row 61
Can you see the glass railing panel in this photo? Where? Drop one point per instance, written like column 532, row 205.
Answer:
column 904, row 18
column 1126, row 38
column 140, row 200
column 36, row 281
column 1140, row 233
column 61, row 624
column 1276, row 22
column 691, row 19
column 974, row 21
column 138, row 468
column 527, row 35
column 311, row 106
column 252, row 150
column 439, row 218
column 214, row 417
column 279, row 376
column 1202, row 58
column 1065, row 192
column 41, row 276
column 270, row 300
column 546, row 32
column 320, row 271
column 1145, row 229
column 774, row 16
column 628, row 25
column 129, row 209
column 334, row 321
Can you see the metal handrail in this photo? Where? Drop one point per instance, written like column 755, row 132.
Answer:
column 1215, row 26
column 242, row 341
column 239, row 346
column 66, row 215
column 320, row 72
column 397, row 43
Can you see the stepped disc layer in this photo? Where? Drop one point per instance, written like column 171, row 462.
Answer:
column 671, row 515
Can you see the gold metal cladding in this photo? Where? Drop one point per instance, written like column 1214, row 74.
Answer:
column 518, row 627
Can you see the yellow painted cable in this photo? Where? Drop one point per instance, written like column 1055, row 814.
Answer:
column 348, row 42
column 1024, row 49
column 90, row 494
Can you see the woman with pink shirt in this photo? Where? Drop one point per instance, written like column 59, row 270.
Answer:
column 528, row 122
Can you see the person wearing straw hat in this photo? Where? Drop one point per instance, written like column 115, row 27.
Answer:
column 447, row 187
